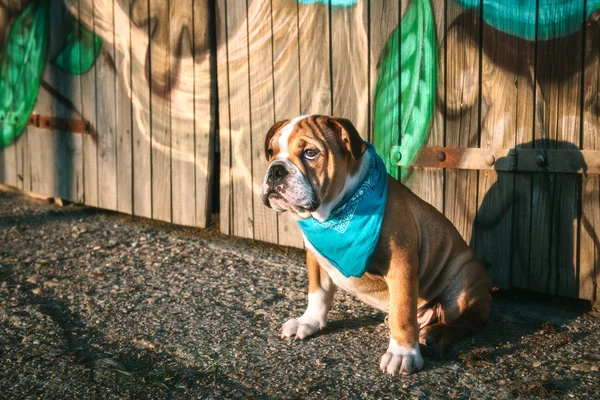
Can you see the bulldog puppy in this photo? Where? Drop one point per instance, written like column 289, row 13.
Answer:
column 419, row 270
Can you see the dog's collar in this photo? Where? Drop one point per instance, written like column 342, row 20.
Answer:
column 348, row 237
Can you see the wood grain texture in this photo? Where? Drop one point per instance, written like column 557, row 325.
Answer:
column 589, row 243
column 56, row 166
column 262, row 113
column 160, row 117
column 350, row 65
column 205, row 108
column 462, row 85
column 123, row 110
column 182, row 107
column 239, row 103
column 522, row 192
column 226, row 181
column 428, row 183
column 106, row 120
column 384, row 19
column 315, row 72
column 140, row 95
column 286, row 84
column 11, row 157
column 24, row 161
column 88, row 111
column 554, row 246
column 499, row 128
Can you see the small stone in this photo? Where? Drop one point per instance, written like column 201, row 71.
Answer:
column 581, row 367
column 33, row 279
column 96, row 248
column 595, row 368
column 537, row 364
column 36, row 291
column 36, row 342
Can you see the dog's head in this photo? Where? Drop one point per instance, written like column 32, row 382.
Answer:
column 313, row 161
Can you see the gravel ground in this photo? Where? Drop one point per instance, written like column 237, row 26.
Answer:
column 95, row 304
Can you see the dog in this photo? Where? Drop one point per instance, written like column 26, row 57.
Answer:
column 411, row 262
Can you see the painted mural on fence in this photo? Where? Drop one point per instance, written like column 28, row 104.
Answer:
column 136, row 75
column 530, row 20
column 24, row 57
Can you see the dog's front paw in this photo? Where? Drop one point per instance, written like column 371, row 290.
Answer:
column 301, row 328
column 401, row 359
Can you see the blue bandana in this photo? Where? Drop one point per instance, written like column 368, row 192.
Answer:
column 348, row 238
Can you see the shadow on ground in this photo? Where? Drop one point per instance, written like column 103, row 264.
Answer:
column 95, row 304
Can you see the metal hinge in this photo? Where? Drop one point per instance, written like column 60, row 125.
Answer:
column 60, row 124
column 514, row 160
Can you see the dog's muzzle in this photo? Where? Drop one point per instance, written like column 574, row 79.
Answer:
column 285, row 188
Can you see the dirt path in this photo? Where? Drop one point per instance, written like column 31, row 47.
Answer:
column 95, row 304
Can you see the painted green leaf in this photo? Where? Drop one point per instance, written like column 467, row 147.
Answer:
column 80, row 50
column 21, row 68
column 405, row 89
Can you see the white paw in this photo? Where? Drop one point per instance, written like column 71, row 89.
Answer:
column 301, row 328
column 399, row 359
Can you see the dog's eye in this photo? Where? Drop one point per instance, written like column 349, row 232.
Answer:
column 310, row 154
column 270, row 153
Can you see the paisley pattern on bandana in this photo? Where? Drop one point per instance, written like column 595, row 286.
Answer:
column 348, row 238
column 342, row 215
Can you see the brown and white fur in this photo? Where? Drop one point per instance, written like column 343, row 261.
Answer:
column 423, row 273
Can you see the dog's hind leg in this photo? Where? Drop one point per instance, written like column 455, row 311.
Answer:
column 467, row 313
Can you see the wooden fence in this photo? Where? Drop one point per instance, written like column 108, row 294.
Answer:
column 127, row 107
column 484, row 78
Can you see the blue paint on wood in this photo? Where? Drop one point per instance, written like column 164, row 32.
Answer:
column 555, row 18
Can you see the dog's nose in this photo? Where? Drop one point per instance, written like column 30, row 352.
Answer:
column 276, row 173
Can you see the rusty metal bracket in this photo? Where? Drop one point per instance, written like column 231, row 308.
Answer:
column 60, row 124
column 514, row 160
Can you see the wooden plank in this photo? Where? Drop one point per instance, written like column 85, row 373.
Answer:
column 72, row 144
column 123, row 107
column 555, row 244
column 88, row 111
column 106, row 118
column 56, row 156
column 9, row 160
column 498, row 129
column 9, row 165
column 140, row 128
column 239, row 95
column 286, row 82
column 262, row 113
column 205, row 96
column 22, row 157
column 462, row 85
column 428, row 184
column 160, row 119
column 350, row 65
column 225, row 173
column 589, row 242
column 23, row 161
column 183, row 151
column 315, row 75
column 384, row 19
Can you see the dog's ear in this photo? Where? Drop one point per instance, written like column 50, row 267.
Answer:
column 349, row 136
column 271, row 133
